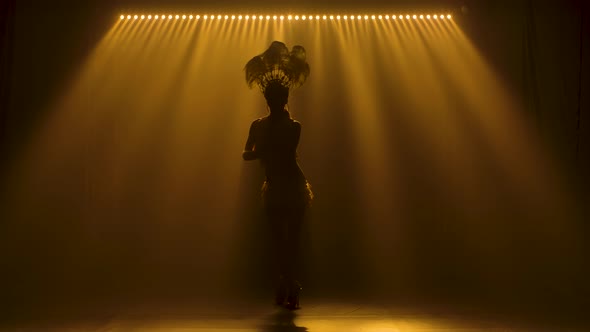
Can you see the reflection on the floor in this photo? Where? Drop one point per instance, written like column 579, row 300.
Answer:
column 282, row 321
column 315, row 316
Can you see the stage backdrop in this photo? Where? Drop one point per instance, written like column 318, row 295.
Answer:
column 448, row 157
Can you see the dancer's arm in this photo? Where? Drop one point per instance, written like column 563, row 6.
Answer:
column 249, row 152
column 296, row 135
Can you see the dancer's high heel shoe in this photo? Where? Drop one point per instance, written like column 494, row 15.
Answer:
column 292, row 300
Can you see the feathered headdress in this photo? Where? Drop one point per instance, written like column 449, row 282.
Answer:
column 278, row 65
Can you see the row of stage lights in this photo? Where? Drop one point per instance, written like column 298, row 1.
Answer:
column 288, row 17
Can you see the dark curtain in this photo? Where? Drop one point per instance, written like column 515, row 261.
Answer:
column 7, row 8
column 556, row 93
column 555, row 77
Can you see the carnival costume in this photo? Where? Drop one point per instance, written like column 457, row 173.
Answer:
column 273, row 139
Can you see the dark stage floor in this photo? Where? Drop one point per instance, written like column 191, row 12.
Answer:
column 316, row 315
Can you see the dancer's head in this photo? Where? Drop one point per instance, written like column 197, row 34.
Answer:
column 277, row 96
column 277, row 71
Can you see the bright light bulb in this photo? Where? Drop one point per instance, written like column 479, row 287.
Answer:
column 421, row 17
column 226, row 17
column 338, row 17
column 198, row 17
column 310, row 17
column 274, row 17
column 233, row 17
column 135, row 17
column 190, row 17
column 247, row 17
column 219, row 17
column 442, row 17
column 177, row 17
column 260, row 17
column 380, row 17
column 359, row 17
column 170, row 16
column 240, row 17
column 414, row 17
column 428, row 16
column 128, row 17
column 352, row 17
column 122, row 17
column 184, row 17
column 317, row 17
column 304, row 17
column 408, row 17
column 156, row 17
column 372, row 17
column 366, row 17
column 331, row 17
column 435, row 17
column 387, row 17
column 324, row 17
column 449, row 16
column 282, row 17
column 149, row 17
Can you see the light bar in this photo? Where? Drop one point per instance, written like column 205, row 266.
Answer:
column 290, row 17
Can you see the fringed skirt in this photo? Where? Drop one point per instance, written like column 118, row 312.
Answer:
column 296, row 194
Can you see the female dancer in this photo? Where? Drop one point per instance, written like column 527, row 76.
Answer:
column 273, row 140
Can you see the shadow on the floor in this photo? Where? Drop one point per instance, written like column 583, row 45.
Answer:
column 282, row 321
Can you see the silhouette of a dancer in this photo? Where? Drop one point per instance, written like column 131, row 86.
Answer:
column 273, row 140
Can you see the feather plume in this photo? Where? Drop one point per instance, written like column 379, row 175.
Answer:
column 277, row 64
